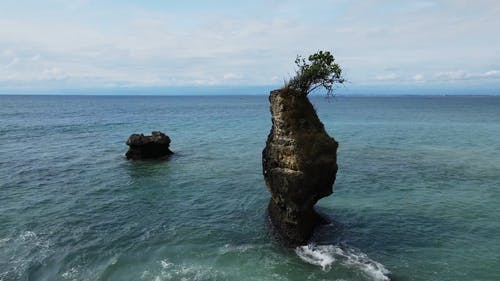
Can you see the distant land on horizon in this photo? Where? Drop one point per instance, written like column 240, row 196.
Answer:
column 254, row 91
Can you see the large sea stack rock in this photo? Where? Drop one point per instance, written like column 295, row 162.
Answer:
column 148, row 147
column 299, row 165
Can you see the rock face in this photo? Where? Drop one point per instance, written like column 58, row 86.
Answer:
column 148, row 147
column 299, row 165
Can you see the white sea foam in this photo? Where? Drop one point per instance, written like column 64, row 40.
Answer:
column 146, row 275
column 328, row 256
column 317, row 255
column 4, row 240
column 32, row 238
column 27, row 235
column 165, row 264
column 171, row 271
column 71, row 274
column 228, row 248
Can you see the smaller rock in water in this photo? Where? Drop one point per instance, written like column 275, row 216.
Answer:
column 148, row 147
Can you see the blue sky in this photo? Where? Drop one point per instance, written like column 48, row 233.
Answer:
column 71, row 44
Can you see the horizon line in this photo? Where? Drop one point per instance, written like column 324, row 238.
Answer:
column 252, row 90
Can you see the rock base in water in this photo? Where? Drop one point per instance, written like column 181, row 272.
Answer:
column 148, row 147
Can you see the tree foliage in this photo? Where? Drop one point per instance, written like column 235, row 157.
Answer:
column 319, row 70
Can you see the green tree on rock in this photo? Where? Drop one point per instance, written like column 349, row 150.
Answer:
column 319, row 70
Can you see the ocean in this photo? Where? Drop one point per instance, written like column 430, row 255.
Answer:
column 417, row 195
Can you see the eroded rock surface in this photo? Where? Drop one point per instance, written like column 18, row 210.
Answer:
column 299, row 165
column 148, row 147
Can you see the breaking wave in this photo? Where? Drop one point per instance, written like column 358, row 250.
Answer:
column 328, row 256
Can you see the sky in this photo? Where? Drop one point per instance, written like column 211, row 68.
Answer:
column 74, row 44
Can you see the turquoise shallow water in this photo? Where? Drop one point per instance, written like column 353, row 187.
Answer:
column 417, row 193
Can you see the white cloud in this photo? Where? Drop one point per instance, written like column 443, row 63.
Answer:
column 53, row 73
column 387, row 77
column 419, row 78
column 229, row 76
column 35, row 57
column 12, row 63
column 72, row 4
column 451, row 75
column 7, row 53
column 492, row 74
column 463, row 75
column 129, row 46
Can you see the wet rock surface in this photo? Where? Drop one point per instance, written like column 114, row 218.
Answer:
column 299, row 165
column 142, row 147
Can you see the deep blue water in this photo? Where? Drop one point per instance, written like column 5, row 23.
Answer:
column 417, row 192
